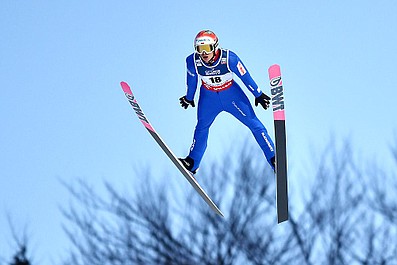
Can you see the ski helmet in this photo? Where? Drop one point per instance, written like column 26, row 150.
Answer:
column 205, row 41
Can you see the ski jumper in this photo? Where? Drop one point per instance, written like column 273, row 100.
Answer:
column 219, row 92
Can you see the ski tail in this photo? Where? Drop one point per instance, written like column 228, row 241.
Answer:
column 277, row 95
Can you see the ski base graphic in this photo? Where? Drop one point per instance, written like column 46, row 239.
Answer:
column 131, row 99
column 277, row 96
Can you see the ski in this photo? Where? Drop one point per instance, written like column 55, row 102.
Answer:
column 142, row 117
column 277, row 96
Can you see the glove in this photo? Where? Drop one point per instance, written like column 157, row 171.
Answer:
column 185, row 102
column 264, row 100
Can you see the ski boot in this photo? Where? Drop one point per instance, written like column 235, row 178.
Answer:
column 188, row 163
column 273, row 163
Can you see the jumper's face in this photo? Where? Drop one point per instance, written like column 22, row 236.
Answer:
column 206, row 51
column 206, row 57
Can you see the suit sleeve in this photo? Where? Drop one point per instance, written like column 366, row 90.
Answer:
column 238, row 68
column 191, row 78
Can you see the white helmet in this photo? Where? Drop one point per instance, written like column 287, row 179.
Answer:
column 205, row 41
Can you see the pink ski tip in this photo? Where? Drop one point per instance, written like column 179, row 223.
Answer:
column 126, row 88
column 274, row 71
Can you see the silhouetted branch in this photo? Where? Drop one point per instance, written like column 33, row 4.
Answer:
column 333, row 226
column 21, row 241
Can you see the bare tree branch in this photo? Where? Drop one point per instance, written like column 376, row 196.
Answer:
column 334, row 226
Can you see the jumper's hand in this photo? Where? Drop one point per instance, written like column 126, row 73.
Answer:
column 185, row 102
column 264, row 100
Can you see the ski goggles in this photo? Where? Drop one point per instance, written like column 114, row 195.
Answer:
column 207, row 48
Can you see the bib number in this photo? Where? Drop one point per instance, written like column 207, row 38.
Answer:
column 216, row 79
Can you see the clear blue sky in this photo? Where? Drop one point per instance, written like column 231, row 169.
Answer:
column 63, row 115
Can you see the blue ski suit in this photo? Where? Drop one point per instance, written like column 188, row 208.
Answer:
column 219, row 92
